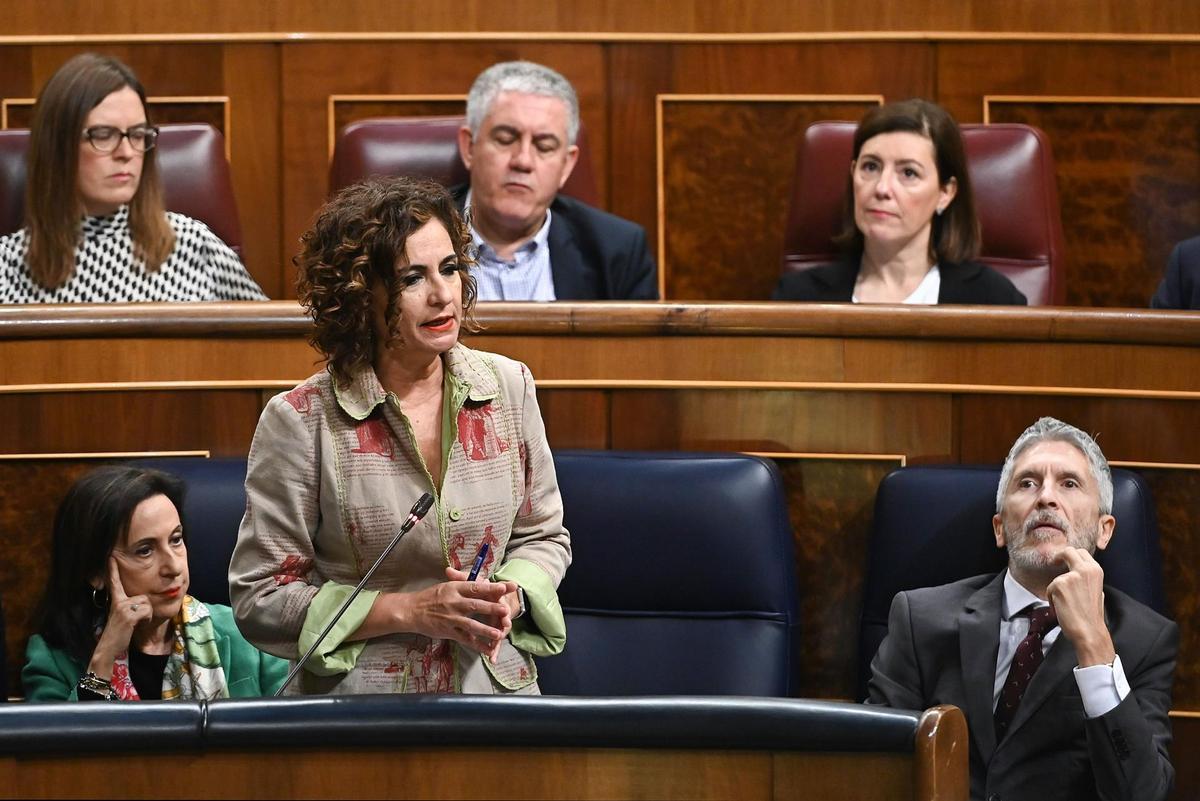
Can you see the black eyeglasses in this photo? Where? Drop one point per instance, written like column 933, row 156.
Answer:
column 106, row 138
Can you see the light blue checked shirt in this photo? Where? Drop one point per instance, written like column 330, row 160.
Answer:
column 526, row 277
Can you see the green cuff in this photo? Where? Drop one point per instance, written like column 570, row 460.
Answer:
column 541, row 631
column 334, row 656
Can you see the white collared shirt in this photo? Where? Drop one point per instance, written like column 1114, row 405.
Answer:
column 1102, row 687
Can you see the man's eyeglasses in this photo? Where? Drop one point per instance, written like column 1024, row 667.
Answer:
column 106, row 138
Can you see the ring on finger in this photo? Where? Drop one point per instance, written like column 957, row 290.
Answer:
column 133, row 607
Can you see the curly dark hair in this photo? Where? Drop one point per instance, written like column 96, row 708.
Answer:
column 355, row 242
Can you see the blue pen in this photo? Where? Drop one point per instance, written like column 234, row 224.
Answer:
column 479, row 559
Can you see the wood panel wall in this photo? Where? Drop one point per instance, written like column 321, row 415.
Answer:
column 837, row 396
column 629, row 17
column 693, row 135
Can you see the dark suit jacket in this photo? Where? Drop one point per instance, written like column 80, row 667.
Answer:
column 941, row 648
column 594, row 255
column 1180, row 287
column 970, row 282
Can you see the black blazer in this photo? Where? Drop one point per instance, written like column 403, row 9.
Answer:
column 594, row 255
column 1180, row 287
column 969, row 282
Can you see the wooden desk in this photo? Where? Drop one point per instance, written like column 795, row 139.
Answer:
column 437, row 754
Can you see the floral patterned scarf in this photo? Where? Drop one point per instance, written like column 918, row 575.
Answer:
column 193, row 667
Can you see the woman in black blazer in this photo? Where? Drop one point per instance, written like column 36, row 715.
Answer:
column 909, row 230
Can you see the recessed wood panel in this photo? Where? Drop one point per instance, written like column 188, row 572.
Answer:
column 1129, row 187
column 1128, row 429
column 830, row 505
column 575, row 418
column 222, row 422
column 251, row 79
column 1100, row 366
column 1176, row 498
column 728, row 166
column 780, row 421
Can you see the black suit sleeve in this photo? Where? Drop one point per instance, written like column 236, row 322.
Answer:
column 636, row 275
column 1172, row 291
column 1128, row 745
column 895, row 675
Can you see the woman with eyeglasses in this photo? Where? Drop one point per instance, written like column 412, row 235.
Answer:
column 95, row 226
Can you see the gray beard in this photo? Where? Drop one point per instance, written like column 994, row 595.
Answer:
column 1033, row 562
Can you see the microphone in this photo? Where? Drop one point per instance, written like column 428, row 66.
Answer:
column 418, row 511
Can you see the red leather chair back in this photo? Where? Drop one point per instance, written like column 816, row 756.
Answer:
column 425, row 147
column 191, row 163
column 1016, row 199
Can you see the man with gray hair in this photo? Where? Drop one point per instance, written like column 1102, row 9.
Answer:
column 1065, row 682
column 535, row 244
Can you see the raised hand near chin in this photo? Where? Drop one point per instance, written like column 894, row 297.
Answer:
column 124, row 614
column 1078, row 599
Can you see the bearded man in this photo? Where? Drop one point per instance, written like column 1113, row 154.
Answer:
column 1065, row 682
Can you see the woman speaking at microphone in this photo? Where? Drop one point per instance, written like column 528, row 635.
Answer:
column 402, row 409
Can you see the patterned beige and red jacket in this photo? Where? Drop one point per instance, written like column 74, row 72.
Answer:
column 333, row 472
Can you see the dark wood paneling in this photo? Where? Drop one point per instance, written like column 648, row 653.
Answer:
column 1128, row 429
column 549, row 774
column 31, row 492
column 830, row 504
column 66, row 17
column 221, row 421
column 212, row 112
column 1185, row 731
column 777, row 421
column 727, row 180
column 1129, row 187
column 575, row 418
column 1176, row 494
column 251, row 79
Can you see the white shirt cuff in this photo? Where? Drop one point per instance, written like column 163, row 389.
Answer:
column 1102, row 687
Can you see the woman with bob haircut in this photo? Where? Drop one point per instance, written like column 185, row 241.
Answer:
column 116, row 621
column 95, row 226
column 403, row 408
column 909, row 234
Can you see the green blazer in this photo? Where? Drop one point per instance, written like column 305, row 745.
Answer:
column 51, row 675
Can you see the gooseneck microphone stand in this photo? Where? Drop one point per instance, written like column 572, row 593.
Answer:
column 418, row 511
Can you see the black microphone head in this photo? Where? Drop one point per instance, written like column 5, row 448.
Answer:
column 422, row 506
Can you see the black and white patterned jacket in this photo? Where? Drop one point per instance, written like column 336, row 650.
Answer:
column 201, row 267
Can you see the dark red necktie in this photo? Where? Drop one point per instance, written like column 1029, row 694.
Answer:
column 1026, row 660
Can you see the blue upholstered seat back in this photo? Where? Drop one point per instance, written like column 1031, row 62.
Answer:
column 212, row 513
column 933, row 525
column 683, row 579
